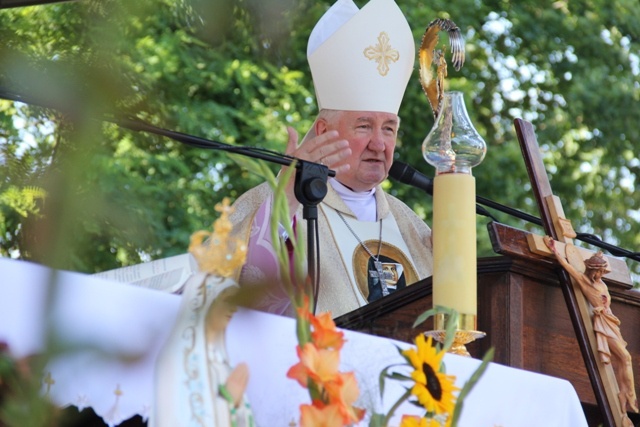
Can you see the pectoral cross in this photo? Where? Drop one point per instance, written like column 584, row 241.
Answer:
column 49, row 381
column 379, row 273
column 559, row 228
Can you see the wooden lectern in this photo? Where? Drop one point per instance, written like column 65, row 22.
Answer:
column 521, row 308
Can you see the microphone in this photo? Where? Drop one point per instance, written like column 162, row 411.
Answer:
column 406, row 174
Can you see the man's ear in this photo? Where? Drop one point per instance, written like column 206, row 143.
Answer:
column 321, row 126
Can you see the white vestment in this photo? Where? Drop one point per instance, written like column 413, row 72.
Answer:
column 406, row 239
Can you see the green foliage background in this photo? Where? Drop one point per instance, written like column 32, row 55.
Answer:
column 236, row 72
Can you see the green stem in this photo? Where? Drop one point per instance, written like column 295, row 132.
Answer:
column 395, row 406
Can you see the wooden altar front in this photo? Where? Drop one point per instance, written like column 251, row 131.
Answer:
column 521, row 308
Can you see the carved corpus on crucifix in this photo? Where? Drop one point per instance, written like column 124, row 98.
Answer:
column 597, row 328
column 612, row 348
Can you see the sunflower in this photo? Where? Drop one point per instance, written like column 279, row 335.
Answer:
column 415, row 421
column 433, row 388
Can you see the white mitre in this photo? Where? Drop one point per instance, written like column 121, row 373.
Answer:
column 361, row 60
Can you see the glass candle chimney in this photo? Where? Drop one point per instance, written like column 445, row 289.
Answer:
column 453, row 145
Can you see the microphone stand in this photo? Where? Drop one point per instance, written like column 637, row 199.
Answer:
column 310, row 185
column 310, row 189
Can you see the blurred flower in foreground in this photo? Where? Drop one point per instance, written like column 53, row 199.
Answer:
column 332, row 392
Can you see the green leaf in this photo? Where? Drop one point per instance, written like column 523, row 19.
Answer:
column 377, row 420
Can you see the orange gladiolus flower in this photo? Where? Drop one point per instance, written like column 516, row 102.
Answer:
column 304, row 311
column 314, row 416
column 317, row 365
column 343, row 392
column 332, row 393
column 325, row 334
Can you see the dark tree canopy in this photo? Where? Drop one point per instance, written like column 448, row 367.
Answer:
column 236, row 72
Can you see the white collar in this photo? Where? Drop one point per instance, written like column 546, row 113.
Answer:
column 361, row 203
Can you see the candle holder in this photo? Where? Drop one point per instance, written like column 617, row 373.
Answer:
column 465, row 332
column 453, row 147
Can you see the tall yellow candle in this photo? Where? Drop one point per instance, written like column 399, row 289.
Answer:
column 454, row 148
column 454, row 242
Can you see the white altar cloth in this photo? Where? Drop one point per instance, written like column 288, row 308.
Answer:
column 118, row 329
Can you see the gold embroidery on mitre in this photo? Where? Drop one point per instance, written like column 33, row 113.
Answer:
column 217, row 253
column 382, row 53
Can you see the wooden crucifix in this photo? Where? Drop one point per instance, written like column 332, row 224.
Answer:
column 601, row 375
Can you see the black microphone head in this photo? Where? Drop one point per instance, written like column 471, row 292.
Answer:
column 406, row 174
column 401, row 171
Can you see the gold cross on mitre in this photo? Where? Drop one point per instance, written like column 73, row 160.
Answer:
column 382, row 53
column 216, row 252
column 561, row 233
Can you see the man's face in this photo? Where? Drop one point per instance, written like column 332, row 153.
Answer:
column 372, row 139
